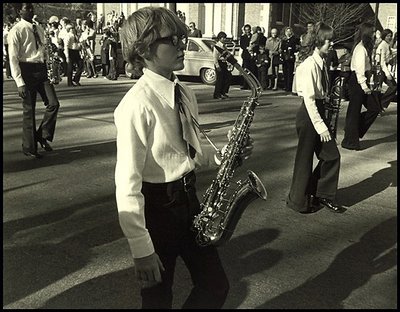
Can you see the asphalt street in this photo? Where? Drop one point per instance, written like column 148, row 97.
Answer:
column 63, row 247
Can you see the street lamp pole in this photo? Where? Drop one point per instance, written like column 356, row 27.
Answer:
column 376, row 13
column 172, row 7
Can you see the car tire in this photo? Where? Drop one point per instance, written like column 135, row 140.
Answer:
column 208, row 76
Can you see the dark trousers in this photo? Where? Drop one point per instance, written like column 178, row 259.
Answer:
column 357, row 123
column 223, row 80
column 35, row 77
column 64, row 63
column 105, row 69
column 75, row 59
column 7, row 62
column 390, row 93
column 288, row 70
column 112, row 71
column 250, row 64
column 262, row 76
column 323, row 180
column 169, row 215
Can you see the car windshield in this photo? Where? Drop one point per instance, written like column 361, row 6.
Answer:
column 210, row 43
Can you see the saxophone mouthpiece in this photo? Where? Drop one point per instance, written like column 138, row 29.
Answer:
column 226, row 54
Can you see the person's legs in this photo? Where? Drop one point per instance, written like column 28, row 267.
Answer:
column 352, row 124
column 299, row 194
column 29, row 143
column 48, row 125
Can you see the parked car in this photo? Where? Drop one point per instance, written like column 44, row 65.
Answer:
column 199, row 59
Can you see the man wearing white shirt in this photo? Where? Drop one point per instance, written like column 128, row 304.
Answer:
column 311, row 188
column 72, row 49
column 154, row 175
column 28, row 68
column 357, row 122
column 383, row 56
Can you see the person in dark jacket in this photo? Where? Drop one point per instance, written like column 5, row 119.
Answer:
column 263, row 61
column 105, row 57
column 112, row 53
column 244, row 43
column 290, row 44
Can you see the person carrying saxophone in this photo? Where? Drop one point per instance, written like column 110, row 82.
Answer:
column 312, row 188
column 158, row 149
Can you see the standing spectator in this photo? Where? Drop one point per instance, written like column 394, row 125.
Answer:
column 105, row 52
column 244, row 43
column 309, row 34
column 357, row 122
column 61, row 35
column 289, row 47
column 383, row 56
column 87, row 43
column 112, row 55
column 263, row 61
column 221, row 69
column 6, row 29
column 332, row 62
column 393, row 60
column 28, row 67
column 100, row 24
column 72, row 54
column 193, row 31
column 257, row 39
column 273, row 45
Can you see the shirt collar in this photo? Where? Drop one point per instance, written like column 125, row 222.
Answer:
column 164, row 87
column 318, row 59
column 29, row 24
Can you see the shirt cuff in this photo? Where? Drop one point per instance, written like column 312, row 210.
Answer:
column 320, row 127
column 141, row 247
column 364, row 85
column 19, row 81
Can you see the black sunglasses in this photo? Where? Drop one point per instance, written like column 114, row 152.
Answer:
column 174, row 40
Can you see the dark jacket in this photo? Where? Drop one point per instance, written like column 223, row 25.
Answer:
column 289, row 46
column 244, row 42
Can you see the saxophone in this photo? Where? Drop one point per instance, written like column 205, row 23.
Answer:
column 219, row 216
column 333, row 104
column 53, row 62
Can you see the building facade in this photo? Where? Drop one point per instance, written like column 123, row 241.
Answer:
column 212, row 18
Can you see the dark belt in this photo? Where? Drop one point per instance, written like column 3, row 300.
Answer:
column 32, row 66
column 183, row 184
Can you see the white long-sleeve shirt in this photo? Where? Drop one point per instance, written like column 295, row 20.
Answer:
column 360, row 63
column 150, row 148
column 309, row 86
column 22, row 48
column 383, row 55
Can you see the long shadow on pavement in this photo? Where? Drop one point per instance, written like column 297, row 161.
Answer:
column 370, row 143
column 246, row 255
column 351, row 269
column 57, row 157
column 40, row 250
column 369, row 187
column 120, row 290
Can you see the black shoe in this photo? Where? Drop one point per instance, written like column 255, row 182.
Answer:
column 352, row 148
column 331, row 206
column 76, row 84
column 33, row 155
column 225, row 96
column 45, row 145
